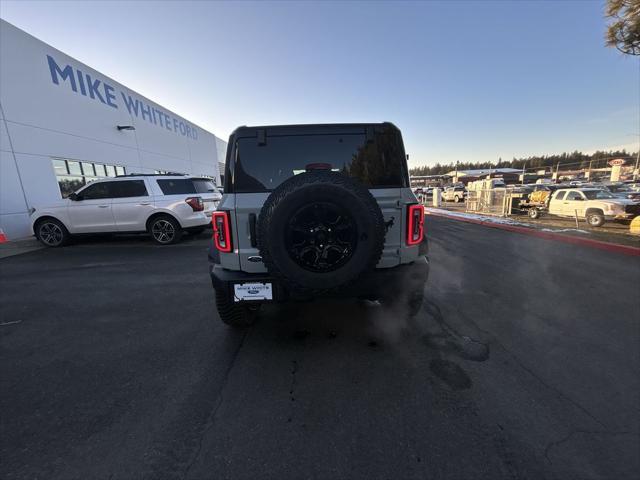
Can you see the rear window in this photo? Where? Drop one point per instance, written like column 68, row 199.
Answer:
column 203, row 185
column 377, row 163
column 177, row 186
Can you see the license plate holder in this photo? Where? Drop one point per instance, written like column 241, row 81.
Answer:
column 252, row 291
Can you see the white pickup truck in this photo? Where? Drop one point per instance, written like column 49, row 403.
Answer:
column 594, row 205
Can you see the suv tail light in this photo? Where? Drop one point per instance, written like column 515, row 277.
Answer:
column 222, row 231
column 415, row 223
column 195, row 203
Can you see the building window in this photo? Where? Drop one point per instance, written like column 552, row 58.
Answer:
column 88, row 170
column 74, row 168
column 72, row 174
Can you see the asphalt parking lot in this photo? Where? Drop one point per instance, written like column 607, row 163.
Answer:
column 523, row 364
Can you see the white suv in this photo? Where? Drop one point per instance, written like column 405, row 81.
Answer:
column 165, row 206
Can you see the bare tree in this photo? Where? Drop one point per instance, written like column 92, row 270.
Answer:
column 623, row 32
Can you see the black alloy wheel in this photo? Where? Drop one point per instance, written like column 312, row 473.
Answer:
column 321, row 237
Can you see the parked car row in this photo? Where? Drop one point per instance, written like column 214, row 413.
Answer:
column 164, row 206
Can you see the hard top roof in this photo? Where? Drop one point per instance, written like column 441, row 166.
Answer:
column 300, row 129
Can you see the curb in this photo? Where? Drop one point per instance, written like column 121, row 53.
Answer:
column 610, row 247
column 18, row 247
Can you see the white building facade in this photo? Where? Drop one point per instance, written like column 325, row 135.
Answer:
column 63, row 124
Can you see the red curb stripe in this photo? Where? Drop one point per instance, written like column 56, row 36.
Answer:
column 611, row 247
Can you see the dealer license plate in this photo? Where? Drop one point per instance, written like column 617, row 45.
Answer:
column 252, row 291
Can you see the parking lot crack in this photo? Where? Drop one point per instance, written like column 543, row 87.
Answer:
column 551, row 387
column 212, row 416
column 570, row 435
column 292, row 388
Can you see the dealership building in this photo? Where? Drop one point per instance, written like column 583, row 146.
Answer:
column 63, row 124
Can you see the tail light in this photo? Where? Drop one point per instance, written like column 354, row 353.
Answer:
column 195, row 203
column 222, row 231
column 415, row 224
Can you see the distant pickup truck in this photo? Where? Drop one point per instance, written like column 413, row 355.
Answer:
column 454, row 194
column 592, row 204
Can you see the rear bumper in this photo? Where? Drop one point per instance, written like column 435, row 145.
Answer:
column 379, row 283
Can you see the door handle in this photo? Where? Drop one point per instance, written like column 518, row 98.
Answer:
column 103, row 206
column 144, row 203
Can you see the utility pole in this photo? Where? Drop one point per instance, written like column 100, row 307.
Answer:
column 457, row 162
column 523, row 169
column 557, row 172
column 589, row 176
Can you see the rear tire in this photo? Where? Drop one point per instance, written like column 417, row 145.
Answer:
column 234, row 315
column 534, row 213
column 51, row 233
column 165, row 230
column 456, row 199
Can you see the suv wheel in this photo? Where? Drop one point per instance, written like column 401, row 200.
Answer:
column 51, row 232
column 320, row 230
column 232, row 314
column 165, row 230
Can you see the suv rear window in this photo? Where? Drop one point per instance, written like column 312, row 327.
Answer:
column 177, row 186
column 378, row 163
column 203, row 185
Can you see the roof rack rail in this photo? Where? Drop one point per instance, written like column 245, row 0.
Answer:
column 167, row 174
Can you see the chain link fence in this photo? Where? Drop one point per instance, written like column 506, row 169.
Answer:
column 491, row 202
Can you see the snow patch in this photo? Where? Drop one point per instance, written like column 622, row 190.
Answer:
column 500, row 220
column 565, row 230
column 475, row 216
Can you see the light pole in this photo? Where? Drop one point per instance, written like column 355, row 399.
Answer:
column 636, row 174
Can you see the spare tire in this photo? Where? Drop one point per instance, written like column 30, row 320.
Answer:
column 320, row 230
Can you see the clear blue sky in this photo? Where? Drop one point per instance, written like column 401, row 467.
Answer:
column 470, row 81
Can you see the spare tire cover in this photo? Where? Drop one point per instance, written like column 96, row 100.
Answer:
column 320, row 230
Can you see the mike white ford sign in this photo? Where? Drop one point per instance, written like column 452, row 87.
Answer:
column 100, row 91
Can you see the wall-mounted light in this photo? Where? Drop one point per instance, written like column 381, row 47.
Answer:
column 126, row 127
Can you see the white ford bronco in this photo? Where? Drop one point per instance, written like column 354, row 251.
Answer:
column 316, row 210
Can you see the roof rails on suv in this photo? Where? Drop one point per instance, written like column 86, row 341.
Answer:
column 167, row 174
